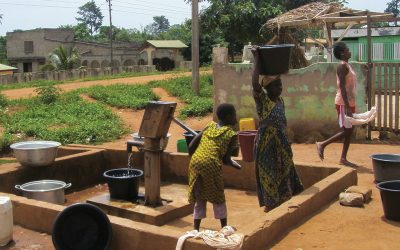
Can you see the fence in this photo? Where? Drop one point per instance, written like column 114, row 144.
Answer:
column 64, row 75
column 385, row 96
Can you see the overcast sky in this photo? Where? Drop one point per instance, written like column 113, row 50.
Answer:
column 31, row 14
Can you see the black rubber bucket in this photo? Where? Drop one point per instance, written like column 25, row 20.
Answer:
column 123, row 183
column 386, row 167
column 390, row 195
column 275, row 59
column 81, row 226
column 189, row 137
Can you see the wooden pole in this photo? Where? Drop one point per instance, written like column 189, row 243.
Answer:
column 369, row 73
column 111, row 37
column 152, row 172
column 195, row 47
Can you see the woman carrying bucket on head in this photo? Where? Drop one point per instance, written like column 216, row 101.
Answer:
column 276, row 176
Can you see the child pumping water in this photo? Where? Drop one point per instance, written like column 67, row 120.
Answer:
column 210, row 149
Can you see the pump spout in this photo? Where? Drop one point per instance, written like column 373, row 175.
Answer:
column 130, row 144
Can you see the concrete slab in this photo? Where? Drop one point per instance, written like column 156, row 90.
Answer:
column 174, row 206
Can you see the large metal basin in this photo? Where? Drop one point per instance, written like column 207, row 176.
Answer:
column 45, row 190
column 35, row 153
column 386, row 167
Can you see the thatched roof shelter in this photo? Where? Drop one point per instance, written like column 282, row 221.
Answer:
column 317, row 14
column 324, row 16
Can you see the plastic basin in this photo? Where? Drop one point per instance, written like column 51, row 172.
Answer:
column 275, row 59
column 390, row 196
column 386, row 167
column 246, row 142
column 123, row 183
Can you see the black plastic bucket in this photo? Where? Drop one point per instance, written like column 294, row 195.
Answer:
column 275, row 59
column 123, row 183
column 189, row 137
column 390, row 195
column 81, row 226
column 386, row 167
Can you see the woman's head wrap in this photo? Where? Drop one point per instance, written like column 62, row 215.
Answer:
column 267, row 79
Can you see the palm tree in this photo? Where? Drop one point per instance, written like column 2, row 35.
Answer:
column 65, row 58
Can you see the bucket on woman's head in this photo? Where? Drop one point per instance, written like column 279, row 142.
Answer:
column 123, row 183
column 390, row 196
column 246, row 142
column 275, row 59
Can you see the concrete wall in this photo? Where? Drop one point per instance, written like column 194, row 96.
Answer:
column 93, row 54
column 64, row 75
column 309, row 95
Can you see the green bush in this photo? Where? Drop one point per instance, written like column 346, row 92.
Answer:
column 3, row 101
column 180, row 87
column 47, row 67
column 68, row 120
column 122, row 95
column 48, row 94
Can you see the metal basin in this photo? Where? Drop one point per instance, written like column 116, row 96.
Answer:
column 45, row 190
column 386, row 167
column 35, row 153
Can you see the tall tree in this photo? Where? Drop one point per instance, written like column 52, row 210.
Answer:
column 393, row 7
column 160, row 24
column 64, row 58
column 90, row 15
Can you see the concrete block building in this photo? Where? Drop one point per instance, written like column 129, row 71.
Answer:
column 29, row 50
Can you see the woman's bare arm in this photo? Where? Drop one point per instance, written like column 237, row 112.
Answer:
column 256, row 72
column 194, row 143
column 342, row 71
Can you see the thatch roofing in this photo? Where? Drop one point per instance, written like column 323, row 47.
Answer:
column 317, row 14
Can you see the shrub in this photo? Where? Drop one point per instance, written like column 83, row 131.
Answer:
column 180, row 87
column 48, row 94
column 123, row 95
column 68, row 120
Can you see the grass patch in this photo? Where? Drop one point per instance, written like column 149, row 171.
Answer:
column 180, row 87
column 69, row 119
column 122, row 95
column 3, row 161
column 40, row 83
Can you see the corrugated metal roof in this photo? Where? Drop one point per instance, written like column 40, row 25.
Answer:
column 167, row 43
column 6, row 67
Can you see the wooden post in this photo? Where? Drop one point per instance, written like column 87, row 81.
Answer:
column 195, row 47
column 369, row 73
column 152, row 181
column 111, row 37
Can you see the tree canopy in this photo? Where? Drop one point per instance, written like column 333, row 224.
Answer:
column 90, row 15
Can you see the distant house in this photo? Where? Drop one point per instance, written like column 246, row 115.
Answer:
column 29, row 50
column 385, row 43
column 6, row 70
column 164, row 53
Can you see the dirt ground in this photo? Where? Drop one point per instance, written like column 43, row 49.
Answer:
column 333, row 227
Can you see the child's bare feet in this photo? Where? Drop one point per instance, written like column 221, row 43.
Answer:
column 320, row 151
column 266, row 209
column 347, row 163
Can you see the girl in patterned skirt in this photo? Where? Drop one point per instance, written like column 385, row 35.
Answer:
column 210, row 149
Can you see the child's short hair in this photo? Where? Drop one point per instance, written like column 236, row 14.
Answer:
column 224, row 110
column 338, row 48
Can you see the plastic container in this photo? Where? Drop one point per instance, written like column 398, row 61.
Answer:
column 390, row 196
column 6, row 220
column 386, row 167
column 82, row 226
column 123, row 183
column 246, row 141
column 247, row 124
column 182, row 146
column 275, row 59
column 189, row 137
